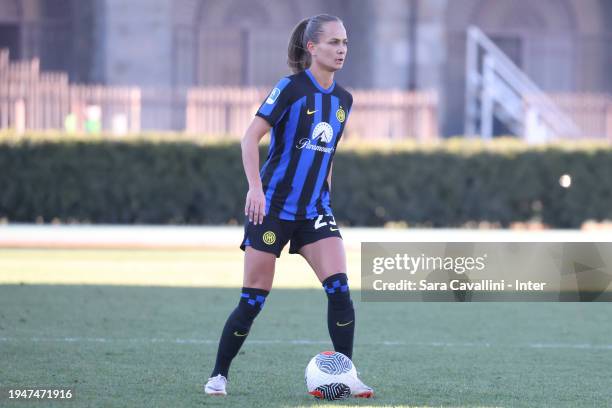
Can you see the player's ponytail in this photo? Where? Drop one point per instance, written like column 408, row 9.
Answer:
column 298, row 57
column 309, row 29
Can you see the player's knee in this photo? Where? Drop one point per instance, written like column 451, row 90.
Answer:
column 259, row 276
column 260, row 283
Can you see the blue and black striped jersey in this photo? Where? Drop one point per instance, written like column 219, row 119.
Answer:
column 307, row 123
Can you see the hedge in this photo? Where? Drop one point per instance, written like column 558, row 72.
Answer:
column 185, row 182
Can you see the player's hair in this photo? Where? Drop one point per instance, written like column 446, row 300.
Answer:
column 309, row 29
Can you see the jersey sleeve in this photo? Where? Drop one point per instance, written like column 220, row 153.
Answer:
column 350, row 105
column 277, row 102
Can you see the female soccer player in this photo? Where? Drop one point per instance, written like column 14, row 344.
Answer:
column 289, row 199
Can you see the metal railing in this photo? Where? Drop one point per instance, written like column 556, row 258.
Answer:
column 496, row 87
column 375, row 114
column 35, row 100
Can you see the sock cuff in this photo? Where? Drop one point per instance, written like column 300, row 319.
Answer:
column 336, row 283
column 254, row 296
column 255, row 291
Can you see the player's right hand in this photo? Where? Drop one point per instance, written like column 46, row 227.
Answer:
column 255, row 206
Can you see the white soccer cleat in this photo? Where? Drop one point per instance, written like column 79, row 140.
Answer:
column 216, row 385
column 360, row 390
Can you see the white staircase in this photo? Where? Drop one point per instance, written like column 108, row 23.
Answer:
column 497, row 88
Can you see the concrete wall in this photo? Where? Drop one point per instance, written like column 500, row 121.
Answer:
column 138, row 42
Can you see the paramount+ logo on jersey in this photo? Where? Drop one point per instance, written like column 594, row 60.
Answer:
column 322, row 131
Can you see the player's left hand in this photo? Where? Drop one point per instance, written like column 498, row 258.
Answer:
column 255, row 206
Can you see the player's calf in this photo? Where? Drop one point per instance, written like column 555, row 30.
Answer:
column 340, row 313
column 237, row 328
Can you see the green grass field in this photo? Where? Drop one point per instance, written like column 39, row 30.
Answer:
column 124, row 338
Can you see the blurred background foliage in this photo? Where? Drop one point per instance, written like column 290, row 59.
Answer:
column 173, row 179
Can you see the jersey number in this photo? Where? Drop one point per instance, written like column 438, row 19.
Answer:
column 320, row 223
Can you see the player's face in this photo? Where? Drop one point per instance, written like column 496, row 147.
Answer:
column 330, row 52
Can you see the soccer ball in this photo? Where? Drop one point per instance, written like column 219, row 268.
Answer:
column 330, row 375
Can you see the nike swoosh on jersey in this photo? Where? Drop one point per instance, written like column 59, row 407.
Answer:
column 308, row 112
column 333, row 229
column 240, row 335
column 343, row 324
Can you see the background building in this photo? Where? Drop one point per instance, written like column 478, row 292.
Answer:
column 563, row 45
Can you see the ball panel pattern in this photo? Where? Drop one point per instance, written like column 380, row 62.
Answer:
column 335, row 363
column 334, row 391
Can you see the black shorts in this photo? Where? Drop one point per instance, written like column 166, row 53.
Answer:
column 273, row 234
